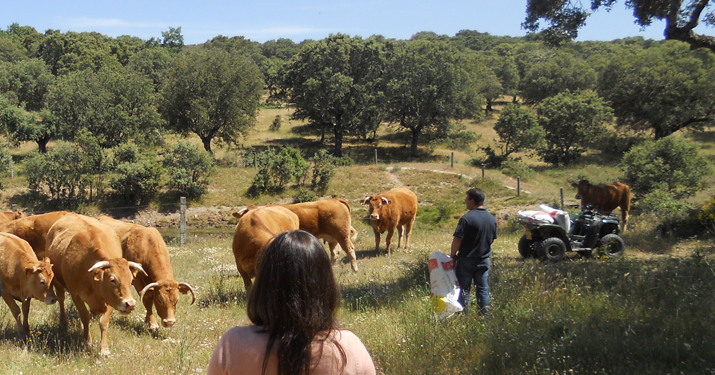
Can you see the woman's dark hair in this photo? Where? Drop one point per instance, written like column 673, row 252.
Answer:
column 294, row 299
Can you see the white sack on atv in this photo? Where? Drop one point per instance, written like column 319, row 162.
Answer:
column 445, row 288
column 535, row 217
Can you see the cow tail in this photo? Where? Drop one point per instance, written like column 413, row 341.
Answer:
column 354, row 233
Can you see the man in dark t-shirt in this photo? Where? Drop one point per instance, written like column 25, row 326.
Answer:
column 472, row 249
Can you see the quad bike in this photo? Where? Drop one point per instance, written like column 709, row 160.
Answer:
column 588, row 233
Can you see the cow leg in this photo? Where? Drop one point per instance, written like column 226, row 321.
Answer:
column 247, row 283
column 60, row 292
column 624, row 219
column 388, row 239
column 15, row 312
column 334, row 252
column 349, row 249
column 103, row 331
column 25, row 313
column 83, row 317
column 408, row 232
column 148, row 302
column 377, row 242
column 400, row 231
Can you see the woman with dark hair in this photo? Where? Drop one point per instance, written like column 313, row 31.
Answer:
column 292, row 305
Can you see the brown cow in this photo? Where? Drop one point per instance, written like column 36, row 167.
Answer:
column 605, row 197
column 34, row 229
column 23, row 277
column 395, row 209
column 8, row 216
column 256, row 227
column 147, row 247
column 87, row 261
column 329, row 220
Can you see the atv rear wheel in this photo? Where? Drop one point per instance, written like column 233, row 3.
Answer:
column 612, row 245
column 526, row 247
column 552, row 248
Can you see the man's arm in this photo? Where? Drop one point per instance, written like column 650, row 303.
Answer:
column 456, row 242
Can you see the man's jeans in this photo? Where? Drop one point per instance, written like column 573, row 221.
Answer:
column 468, row 269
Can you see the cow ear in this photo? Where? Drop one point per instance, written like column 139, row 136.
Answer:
column 574, row 184
column 29, row 271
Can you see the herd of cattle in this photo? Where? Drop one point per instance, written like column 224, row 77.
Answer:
column 98, row 260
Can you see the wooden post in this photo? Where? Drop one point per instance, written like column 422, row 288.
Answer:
column 482, row 171
column 13, row 207
column 562, row 198
column 451, row 163
column 182, row 222
column 375, row 156
column 518, row 186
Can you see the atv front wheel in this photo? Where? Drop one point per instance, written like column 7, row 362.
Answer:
column 612, row 244
column 526, row 247
column 552, row 248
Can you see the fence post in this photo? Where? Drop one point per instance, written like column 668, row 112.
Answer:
column 375, row 156
column 482, row 171
column 562, row 198
column 451, row 163
column 182, row 222
column 518, row 186
column 13, row 207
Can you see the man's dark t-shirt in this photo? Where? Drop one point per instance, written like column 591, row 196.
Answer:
column 477, row 229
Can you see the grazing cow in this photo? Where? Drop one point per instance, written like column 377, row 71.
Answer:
column 605, row 197
column 34, row 229
column 10, row 216
column 87, row 261
column 395, row 209
column 329, row 220
column 23, row 277
column 256, row 227
column 146, row 246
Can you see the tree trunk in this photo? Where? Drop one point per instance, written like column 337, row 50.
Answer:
column 513, row 99
column 42, row 145
column 338, row 139
column 415, row 139
column 207, row 144
column 489, row 105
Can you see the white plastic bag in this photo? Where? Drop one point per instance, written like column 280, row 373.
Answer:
column 535, row 217
column 445, row 288
column 561, row 217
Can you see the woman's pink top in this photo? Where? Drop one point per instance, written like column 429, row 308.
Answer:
column 241, row 351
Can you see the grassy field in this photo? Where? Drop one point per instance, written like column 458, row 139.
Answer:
column 650, row 311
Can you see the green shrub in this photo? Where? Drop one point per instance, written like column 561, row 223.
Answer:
column 126, row 153
column 5, row 161
column 614, row 144
column 275, row 170
column 517, row 168
column 137, row 181
column 455, row 137
column 57, row 172
column 323, row 170
column 305, row 195
column 670, row 164
column 189, row 168
column 692, row 222
column 276, row 124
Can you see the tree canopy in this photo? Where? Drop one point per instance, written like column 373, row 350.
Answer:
column 565, row 18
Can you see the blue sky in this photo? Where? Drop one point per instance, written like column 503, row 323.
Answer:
column 298, row 20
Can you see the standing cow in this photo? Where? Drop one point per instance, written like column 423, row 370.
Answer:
column 146, row 246
column 395, row 209
column 329, row 220
column 87, row 261
column 256, row 227
column 34, row 229
column 23, row 277
column 605, row 197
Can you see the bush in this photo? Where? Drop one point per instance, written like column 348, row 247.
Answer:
column 5, row 161
column 323, row 170
column 126, row 153
column 517, row 168
column 58, row 172
column 276, row 124
column 305, row 195
column 692, row 222
column 189, row 168
column 455, row 137
column 275, row 170
column 138, row 181
column 670, row 164
column 614, row 144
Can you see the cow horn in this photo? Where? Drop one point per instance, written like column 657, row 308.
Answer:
column 366, row 200
column 138, row 267
column 191, row 289
column 146, row 289
column 100, row 264
column 387, row 201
